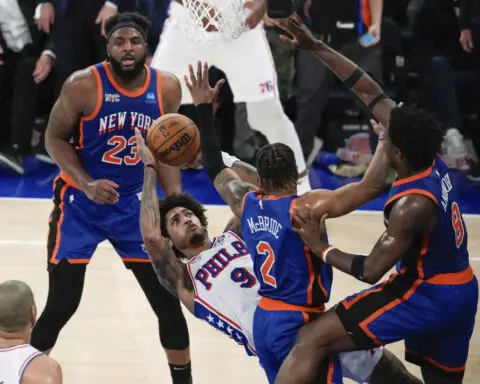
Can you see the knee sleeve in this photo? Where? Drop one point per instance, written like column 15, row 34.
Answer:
column 64, row 294
column 268, row 117
column 172, row 323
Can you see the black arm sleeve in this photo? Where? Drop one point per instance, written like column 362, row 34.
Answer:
column 211, row 150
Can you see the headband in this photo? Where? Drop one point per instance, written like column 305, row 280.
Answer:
column 129, row 24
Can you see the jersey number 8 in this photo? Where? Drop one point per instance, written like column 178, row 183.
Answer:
column 457, row 224
column 119, row 144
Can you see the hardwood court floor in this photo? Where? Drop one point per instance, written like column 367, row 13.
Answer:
column 113, row 336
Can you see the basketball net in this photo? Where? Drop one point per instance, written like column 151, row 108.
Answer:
column 208, row 19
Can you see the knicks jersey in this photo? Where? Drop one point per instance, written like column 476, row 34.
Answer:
column 285, row 267
column 105, row 142
column 444, row 250
column 226, row 290
column 14, row 361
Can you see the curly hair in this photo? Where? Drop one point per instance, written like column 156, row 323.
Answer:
column 184, row 200
column 276, row 166
column 417, row 134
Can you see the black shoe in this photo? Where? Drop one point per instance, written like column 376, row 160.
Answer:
column 12, row 159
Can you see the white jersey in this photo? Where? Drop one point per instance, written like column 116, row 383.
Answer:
column 226, row 290
column 14, row 361
column 226, row 297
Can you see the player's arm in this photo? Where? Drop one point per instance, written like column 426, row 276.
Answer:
column 169, row 177
column 43, row 369
column 346, row 70
column 170, row 271
column 226, row 181
column 349, row 197
column 74, row 102
column 411, row 218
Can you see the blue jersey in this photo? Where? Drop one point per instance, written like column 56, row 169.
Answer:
column 105, row 141
column 444, row 250
column 285, row 267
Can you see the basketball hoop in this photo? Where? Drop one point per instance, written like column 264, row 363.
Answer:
column 210, row 18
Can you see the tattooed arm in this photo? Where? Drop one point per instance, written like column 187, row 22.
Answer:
column 170, row 271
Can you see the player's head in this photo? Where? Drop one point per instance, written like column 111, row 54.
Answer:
column 183, row 221
column 18, row 312
column 277, row 168
column 414, row 138
column 127, row 44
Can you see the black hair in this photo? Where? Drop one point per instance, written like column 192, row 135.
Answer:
column 417, row 134
column 184, row 200
column 127, row 19
column 277, row 167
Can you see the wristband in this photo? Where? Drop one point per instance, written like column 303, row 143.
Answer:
column 324, row 254
column 153, row 166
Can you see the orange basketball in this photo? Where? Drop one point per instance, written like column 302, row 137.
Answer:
column 174, row 139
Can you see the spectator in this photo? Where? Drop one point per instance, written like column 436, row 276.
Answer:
column 27, row 56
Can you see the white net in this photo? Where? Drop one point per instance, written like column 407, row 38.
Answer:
column 208, row 19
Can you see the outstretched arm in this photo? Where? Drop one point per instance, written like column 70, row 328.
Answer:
column 346, row 70
column 170, row 271
column 226, row 181
column 409, row 220
column 349, row 197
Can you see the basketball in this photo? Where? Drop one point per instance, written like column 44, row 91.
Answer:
column 174, row 140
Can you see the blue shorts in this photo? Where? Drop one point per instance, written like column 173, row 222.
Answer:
column 435, row 317
column 77, row 225
column 274, row 335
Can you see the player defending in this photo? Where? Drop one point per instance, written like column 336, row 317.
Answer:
column 215, row 278
column 96, row 196
column 19, row 361
column 431, row 301
column 294, row 285
column 245, row 59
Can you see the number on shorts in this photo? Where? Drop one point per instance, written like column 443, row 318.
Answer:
column 264, row 249
column 119, row 143
column 457, row 224
column 241, row 275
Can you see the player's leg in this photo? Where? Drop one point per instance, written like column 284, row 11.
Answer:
column 250, row 70
column 391, row 370
column 68, row 256
column 65, row 287
column 171, row 321
column 442, row 354
column 175, row 50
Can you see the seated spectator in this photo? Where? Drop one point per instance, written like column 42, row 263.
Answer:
column 27, row 56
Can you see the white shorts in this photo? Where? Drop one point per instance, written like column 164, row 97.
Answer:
column 246, row 61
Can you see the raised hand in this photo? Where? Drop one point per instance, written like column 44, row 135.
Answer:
column 301, row 37
column 142, row 149
column 199, row 86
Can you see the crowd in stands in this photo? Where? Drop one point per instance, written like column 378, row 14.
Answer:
column 423, row 51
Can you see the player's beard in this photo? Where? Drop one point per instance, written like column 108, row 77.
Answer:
column 128, row 74
column 198, row 238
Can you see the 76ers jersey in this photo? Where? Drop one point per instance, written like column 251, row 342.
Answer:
column 444, row 250
column 105, row 143
column 14, row 361
column 226, row 291
column 286, row 269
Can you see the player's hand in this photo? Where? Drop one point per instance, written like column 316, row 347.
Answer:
column 199, row 86
column 313, row 232
column 378, row 127
column 196, row 162
column 145, row 154
column 301, row 37
column 102, row 191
